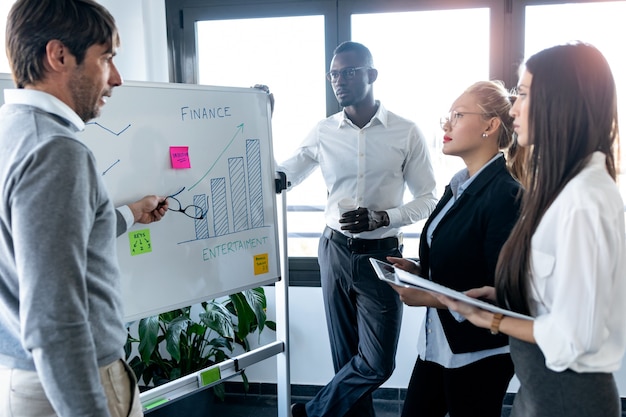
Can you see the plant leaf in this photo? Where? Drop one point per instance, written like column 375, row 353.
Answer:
column 169, row 316
column 245, row 315
column 221, row 342
column 148, row 333
column 246, row 384
column 173, row 336
column 257, row 300
column 219, row 391
column 217, row 318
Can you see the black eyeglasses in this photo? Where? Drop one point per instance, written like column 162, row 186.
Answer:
column 346, row 73
column 190, row 211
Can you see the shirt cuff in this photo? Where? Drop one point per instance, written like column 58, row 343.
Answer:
column 127, row 214
column 457, row 316
column 395, row 217
column 558, row 356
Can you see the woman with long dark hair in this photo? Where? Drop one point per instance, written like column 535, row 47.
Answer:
column 565, row 261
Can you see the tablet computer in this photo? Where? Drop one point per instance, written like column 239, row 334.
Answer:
column 386, row 272
column 404, row 278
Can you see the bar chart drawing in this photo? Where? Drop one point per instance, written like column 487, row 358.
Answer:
column 253, row 158
column 201, row 225
column 238, row 194
column 235, row 201
column 220, row 211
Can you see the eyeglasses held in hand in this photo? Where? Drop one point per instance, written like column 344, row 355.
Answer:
column 454, row 117
column 346, row 73
column 193, row 211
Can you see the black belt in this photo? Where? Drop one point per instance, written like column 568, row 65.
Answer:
column 362, row 245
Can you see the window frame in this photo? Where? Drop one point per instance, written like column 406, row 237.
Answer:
column 506, row 47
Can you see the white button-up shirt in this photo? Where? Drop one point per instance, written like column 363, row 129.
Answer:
column 372, row 165
column 578, row 268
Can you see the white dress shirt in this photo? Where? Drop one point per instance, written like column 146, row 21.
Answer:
column 578, row 266
column 370, row 165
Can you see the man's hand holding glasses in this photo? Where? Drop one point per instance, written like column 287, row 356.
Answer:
column 192, row 211
column 149, row 209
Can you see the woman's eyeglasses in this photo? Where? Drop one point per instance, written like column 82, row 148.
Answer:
column 454, row 117
column 193, row 211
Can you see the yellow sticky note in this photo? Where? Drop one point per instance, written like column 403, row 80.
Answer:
column 261, row 264
column 140, row 242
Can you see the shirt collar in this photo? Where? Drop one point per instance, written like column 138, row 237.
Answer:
column 46, row 102
column 462, row 180
column 380, row 116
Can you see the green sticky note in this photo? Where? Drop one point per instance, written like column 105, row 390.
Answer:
column 140, row 242
column 209, row 376
column 155, row 403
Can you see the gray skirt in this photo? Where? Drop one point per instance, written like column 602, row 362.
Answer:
column 545, row 393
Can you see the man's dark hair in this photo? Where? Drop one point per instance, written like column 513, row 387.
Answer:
column 31, row 24
column 360, row 49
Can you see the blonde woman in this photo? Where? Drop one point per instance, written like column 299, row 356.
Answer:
column 463, row 370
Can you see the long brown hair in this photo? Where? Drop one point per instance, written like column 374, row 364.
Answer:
column 572, row 113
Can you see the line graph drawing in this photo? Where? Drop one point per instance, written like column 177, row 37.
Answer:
column 233, row 202
column 239, row 130
column 111, row 166
column 107, row 129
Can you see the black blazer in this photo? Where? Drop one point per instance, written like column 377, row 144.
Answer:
column 466, row 244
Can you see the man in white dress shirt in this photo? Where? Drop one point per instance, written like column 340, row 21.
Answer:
column 369, row 155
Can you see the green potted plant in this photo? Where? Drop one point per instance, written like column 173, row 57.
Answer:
column 177, row 343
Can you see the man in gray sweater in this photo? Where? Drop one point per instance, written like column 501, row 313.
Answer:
column 61, row 329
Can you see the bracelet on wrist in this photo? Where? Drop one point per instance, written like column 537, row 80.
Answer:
column 495, row 323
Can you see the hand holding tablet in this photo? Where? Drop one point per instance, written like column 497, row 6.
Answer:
column 397, row 276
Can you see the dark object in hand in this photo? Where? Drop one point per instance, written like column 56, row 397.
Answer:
column 362, row 220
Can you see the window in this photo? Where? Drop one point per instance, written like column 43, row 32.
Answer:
column 548, row 25
column 287, row 54
column 419, row 77
column 426, row 52
column 5, row 6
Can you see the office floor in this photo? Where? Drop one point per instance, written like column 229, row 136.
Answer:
column 260, row 401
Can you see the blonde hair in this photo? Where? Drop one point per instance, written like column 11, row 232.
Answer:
column 494, row 100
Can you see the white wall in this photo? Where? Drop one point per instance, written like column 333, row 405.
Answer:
column 143, row 57
column 311, row 363
column 143, row 53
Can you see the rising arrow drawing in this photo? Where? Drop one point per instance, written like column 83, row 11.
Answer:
column 239, row 130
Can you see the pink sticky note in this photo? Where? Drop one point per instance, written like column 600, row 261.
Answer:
column 179, row 156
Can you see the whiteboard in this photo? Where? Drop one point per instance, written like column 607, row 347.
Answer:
column 230, row 240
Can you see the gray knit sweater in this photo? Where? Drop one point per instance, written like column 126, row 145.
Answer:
column 60, row 301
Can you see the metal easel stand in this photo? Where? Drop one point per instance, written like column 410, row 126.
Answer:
column 283, row 373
